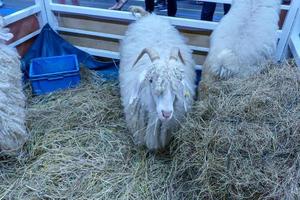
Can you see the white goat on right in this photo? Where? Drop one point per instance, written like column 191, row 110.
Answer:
column 13, row 132
column 244, row 40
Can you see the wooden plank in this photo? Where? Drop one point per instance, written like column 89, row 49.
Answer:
column 127, row 16
column 198, row 38
column 92, row 24
column 92, row 42
column 85, row 25
column 199, row 57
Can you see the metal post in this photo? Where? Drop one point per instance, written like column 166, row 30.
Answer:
column 282, row 46
column 294, row 41
column 42, row 17
column 47, row 13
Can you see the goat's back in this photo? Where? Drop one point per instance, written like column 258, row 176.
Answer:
column 151, row 31
column 249, row 26
column 246, row 36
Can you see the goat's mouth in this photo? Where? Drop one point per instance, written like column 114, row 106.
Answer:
column 165, row 115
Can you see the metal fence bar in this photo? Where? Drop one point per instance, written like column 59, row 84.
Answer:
column 127, row 16
column 42, row 17
column 286, row 31
column 25, row 38
column 294, row 43
column 21, row 14
column 283, row 7
column 46, row 8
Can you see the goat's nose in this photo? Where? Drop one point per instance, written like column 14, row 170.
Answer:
column 166, row 114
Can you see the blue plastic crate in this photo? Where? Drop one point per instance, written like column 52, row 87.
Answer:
column 49, row 74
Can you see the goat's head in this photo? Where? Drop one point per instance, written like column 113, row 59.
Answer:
column 163, row 79
column 5, row 35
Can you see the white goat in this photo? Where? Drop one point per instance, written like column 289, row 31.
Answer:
column 157, row 79
column 244, row 39
column 12, row 100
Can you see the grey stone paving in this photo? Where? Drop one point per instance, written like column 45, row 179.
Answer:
column 186, row 8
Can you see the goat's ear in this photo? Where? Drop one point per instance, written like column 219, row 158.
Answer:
column 138, row 87
column 186, row 94
column 176, row 55
column 6, row 36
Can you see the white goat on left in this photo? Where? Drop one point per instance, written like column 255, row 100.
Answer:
column 13, row 132
column 157, row 79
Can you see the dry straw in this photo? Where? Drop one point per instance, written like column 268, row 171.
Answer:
column 241, row 142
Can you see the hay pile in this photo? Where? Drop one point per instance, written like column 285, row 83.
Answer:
column 80, row 149
column 241, row 142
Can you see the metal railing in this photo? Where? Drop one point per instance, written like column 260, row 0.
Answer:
column 47, row 11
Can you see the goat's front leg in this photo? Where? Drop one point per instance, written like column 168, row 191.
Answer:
column 152, row 133
column 136, row 121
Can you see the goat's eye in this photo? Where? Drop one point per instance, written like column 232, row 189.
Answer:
column 150, row 81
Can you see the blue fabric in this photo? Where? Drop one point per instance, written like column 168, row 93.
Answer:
column 49, row 43
column 6, row 11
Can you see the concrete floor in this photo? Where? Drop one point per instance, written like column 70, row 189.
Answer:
column 186, row 8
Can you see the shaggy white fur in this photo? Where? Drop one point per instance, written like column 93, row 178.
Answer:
column 146, row 81
column 244, row 39
column 13, row 132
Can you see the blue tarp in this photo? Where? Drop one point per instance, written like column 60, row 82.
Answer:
column 6, row 11
column 49, row 43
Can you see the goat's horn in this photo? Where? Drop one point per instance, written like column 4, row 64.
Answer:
column 153, row 55
column 175, row 54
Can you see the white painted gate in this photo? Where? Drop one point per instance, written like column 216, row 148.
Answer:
column 294, row 41
column 55, row 15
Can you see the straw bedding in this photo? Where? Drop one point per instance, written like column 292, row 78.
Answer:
column 240, row 142
column 243, row 140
